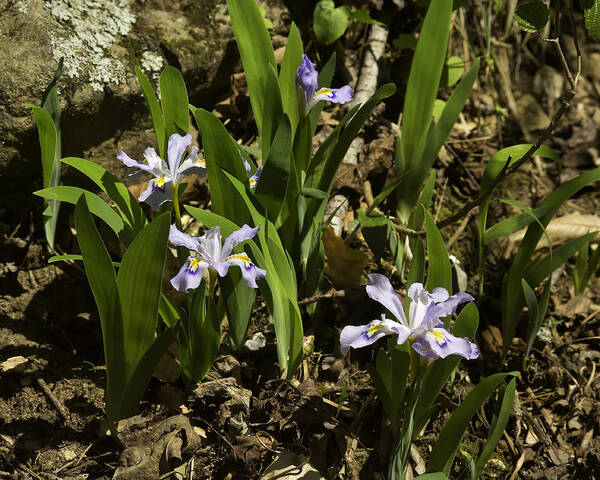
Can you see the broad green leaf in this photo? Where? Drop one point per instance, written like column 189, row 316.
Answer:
column 126, row 203
column 497, row 425
column 329, row 22
column 536, row 312
column 168, row 310
column 200, row 336
column 272, row 112
column 139, row 282
column 281, row 296
column 585, row 266
column 416, row 272
column 438, row 108
column 96, row 205
column 453, row 70
column 49, row 138
column 103, row 282
column 239, row 299
column 314, row 193
column 144, row 369
column 439, row 271
column 512, row 294
column 444, row 450
column 510, row 225
column 418, row 169
column 418, row 215
column 543, row 267
column 273, row 181
column 50, row 100
column 592, row 20
column 532, row 16
column 174, row 98
column 292, row 58
column 256, row 52
column 424, row 79
column 222, row 155
column 156, row 114
column 389, row 374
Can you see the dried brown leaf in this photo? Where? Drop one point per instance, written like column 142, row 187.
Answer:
column 344, row 265
column 561, row 230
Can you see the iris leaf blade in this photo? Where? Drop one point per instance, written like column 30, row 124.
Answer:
column 139, row 282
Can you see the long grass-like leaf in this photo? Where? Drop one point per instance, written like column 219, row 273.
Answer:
column 103, row 282
column 96, row 205
column 497, row 425
column 292, row 58
column 424, row 79
column 256, row 52
column 139, row 282
column 126, row 203
column 174, row 98
column 444, row 450
column 512, row 293
column 158, row 120
column 439, row 271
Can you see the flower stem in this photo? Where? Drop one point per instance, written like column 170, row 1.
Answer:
column 176, row 207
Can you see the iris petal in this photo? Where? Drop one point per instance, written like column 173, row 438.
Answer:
column 130, row 162
column 182, row 239
column 188, row 279
column 237, row 237
column 380, row 289
column 155, row 196
column 175, row 149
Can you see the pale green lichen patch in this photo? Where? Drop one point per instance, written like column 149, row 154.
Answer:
column 90, row 28
column 152, row 62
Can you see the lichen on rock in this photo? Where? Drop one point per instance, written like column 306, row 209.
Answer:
column 90, row 28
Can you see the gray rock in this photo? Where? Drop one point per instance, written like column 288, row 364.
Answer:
column 99, row 92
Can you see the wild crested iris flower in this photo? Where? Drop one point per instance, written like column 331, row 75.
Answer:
column 308, row 89
column 253, row 180
column 424, row 327
column 166, row 174
column 207, row 251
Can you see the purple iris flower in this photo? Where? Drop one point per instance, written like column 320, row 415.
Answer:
column 424, row 327
column 166, row 174
column 253, row 180
column 308, row 89
column 207, row 251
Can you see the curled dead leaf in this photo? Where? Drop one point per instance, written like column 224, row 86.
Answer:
column 344, row 265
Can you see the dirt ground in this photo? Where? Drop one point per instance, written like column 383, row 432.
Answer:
column 242, row 417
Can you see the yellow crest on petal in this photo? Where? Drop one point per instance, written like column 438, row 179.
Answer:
column 194, row 265
column 373, row 329
column 240, row 256
column 440, row 338
column 324, row 91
